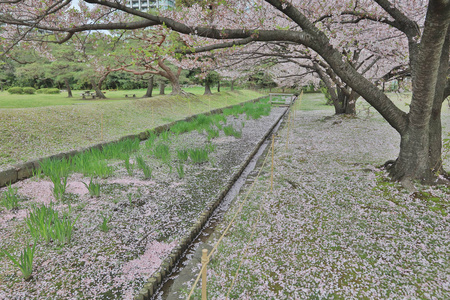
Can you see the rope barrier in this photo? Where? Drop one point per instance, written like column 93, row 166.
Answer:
column 226, row 229
column 208, row 258
column 244, row 257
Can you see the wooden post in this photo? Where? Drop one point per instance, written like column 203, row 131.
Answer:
column 204, row 265
column 289, row 127
column 271, row 175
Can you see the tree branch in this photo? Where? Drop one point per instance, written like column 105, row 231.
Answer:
column 217, row 46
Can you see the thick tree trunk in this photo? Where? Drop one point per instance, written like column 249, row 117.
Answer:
column 344, row 101
column 420, row 145
column 98, row 92
column 435, row 135
column 149, row 92
column 162, row 87
column 69, row 90
column 176, row 88
column 207, row 88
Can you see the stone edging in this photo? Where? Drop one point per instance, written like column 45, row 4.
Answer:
column 25, row 170
column 154, row 282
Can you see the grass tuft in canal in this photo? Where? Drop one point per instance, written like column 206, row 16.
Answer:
column 10, row 199
column 25, row 261
column 44, row 223
column 144, row 167
column 93, row 188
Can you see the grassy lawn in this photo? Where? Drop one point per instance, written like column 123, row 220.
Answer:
column 41, row 125
column 39, row 100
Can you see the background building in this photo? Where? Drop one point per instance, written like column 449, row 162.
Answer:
column 151, row 4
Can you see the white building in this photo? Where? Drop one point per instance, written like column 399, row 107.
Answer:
column 151, row 4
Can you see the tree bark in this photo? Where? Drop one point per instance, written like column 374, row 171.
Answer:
column 218, row 86
column 420, row 137
column 232, row 84
column 162, row 87
column 207, row 88
column 69, row 90
column 435, row 135
column 149, row 92
column 176, row 88
column 98, row 91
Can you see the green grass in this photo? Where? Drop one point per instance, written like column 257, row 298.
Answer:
column 24, row 262
column 229, row 130
column 162, row 152
column 56, row 124
column 182, row 155
column 144, row 167
column 59, row 186
column 45, row 223
column 9, row 198
column 93, row 188
column 104, row 224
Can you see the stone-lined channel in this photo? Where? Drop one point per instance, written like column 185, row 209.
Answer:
column 186, row 268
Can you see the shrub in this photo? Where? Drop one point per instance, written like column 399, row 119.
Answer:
column 42, row 91
column 29, row 90
column 48, row 91
column 15, row 90
column 53, row 91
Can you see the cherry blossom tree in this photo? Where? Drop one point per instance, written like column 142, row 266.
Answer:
column 153, row 52
column 424, row 28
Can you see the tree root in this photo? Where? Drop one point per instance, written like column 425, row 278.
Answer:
column 388, row 165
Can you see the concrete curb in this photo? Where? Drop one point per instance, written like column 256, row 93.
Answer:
column 25, row 170
column 155, row 281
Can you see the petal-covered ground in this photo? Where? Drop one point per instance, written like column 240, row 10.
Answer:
column 334, row 227
column 121, row 236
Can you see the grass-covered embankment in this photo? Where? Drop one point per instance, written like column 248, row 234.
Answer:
column 30, row 132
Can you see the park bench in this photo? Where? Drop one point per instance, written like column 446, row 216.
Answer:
column 87, row 94
column 129, row 95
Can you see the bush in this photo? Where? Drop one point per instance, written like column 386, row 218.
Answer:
column 29, row 90
column 53, row 91
column 42, row 91
column 15, row 90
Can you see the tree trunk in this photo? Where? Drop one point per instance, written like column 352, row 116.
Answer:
column 162, row 87
column 149, row 92
column 345, row 102
column 435, row 136
column 176, row 88
column 218, row 86
column 207, row 88
column 419, row 150
column 98, row 92
column 232, row 84
column 69, row 90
